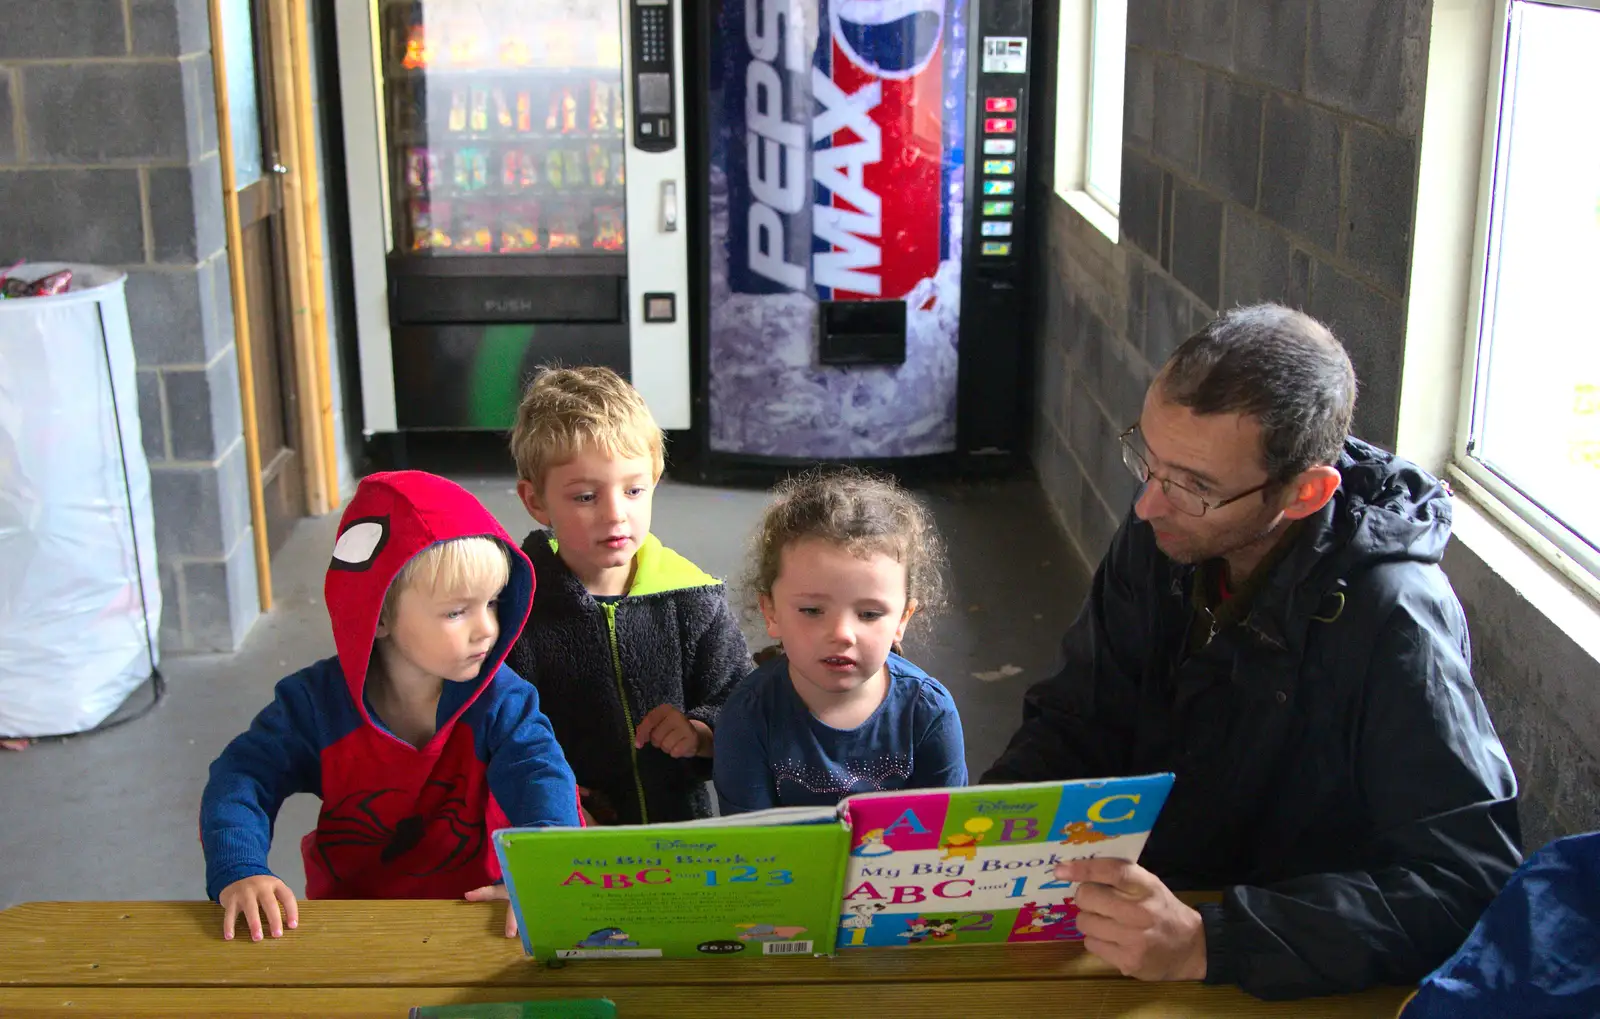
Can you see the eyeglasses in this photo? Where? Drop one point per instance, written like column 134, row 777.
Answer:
column 1184, row 500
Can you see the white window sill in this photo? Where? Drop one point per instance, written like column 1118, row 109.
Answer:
column 1560, row 598
column 1100, row 217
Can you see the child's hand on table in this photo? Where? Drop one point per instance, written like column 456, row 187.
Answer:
column 672, row 732
column 253, row 896
column 488, row 893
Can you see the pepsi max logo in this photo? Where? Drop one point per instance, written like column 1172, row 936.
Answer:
column 893, row 39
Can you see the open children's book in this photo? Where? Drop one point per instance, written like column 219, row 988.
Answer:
column 923, row 867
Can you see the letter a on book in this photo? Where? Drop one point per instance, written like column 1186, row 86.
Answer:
column 906, row 823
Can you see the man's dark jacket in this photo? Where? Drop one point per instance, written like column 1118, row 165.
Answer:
column 1337, row 773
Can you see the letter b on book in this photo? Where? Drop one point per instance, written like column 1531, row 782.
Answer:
column 1019, row 829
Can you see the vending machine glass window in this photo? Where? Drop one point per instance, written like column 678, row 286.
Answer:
column 506, row 126
column 513, row 171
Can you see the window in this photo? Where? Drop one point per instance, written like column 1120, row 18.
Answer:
column 1092, row 63
column 1108, row 58
column 1530, row 432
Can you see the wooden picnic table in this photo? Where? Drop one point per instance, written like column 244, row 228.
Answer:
column 379, row 958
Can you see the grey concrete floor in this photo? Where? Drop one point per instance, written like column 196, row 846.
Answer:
column 114, row 815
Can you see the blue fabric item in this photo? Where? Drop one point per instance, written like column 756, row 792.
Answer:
column 282, row 753
column 398, row 821
column 1535, row 953
column 771, row 751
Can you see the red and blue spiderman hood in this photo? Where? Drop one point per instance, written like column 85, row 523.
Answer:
column 394, row 516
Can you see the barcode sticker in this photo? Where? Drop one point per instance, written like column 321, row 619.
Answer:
column 1005, row 54
column 786, row 948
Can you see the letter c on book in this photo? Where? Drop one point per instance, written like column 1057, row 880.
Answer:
column 1097, row 811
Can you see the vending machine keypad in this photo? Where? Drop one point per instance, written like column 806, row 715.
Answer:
column 654, row 114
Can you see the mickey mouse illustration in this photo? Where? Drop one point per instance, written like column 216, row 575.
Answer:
column 916, row 930
column 921, row 928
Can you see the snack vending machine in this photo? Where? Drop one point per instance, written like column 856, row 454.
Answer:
column 515, row 174
column 868, row 180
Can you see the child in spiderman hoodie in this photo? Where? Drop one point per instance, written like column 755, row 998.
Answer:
column 418, row 739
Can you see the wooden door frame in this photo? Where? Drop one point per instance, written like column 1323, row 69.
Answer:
column 297, row 183
column 291, row 75
column 264, row 207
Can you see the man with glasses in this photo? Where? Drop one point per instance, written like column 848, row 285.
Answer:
column 1271, row 624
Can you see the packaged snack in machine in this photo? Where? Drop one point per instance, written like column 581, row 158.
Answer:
column 428, row 221
column 524, row 111
column 609, row 229
column 599, row 165
column 458, row 109
column 599, row 106
column 422, row 169
column 519, row 228
column 472, row 228
column 564, row 231
column 480, row 110
column 572, row 167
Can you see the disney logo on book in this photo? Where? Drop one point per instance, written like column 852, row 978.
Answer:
column 1002, row 807
column 663, row 845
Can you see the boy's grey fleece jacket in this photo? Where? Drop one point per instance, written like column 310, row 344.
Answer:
column 600, row 668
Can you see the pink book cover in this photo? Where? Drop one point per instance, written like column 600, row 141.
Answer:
column 976, row 865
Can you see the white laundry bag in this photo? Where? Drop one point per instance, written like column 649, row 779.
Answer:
column 80, row 596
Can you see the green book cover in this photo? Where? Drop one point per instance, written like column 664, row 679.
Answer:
column 572, row 1008
column 745, row 886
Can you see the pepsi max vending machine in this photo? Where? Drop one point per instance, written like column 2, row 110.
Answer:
column 866, row 231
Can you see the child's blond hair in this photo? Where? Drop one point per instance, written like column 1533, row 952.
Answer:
column 456, row 566
column 568, row 410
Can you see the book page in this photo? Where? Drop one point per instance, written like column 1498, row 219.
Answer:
column 976, row 865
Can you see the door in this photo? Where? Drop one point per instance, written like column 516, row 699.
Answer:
column 257, row 173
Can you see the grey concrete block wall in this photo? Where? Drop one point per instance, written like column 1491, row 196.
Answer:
column 1268, row 41
column 1540, row 687
column 1278, row 161
column 108, row 155
column 1240, row 183
column 1302, row 153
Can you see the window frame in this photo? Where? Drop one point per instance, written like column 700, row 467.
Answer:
column 1075, row 65
column 1093, row 56
column 1517, row 511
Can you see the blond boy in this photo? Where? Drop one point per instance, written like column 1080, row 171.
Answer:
column 633, row 647
column 418, row 739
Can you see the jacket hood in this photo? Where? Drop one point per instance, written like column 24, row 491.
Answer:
column 1387, row 509
column 394, row 516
